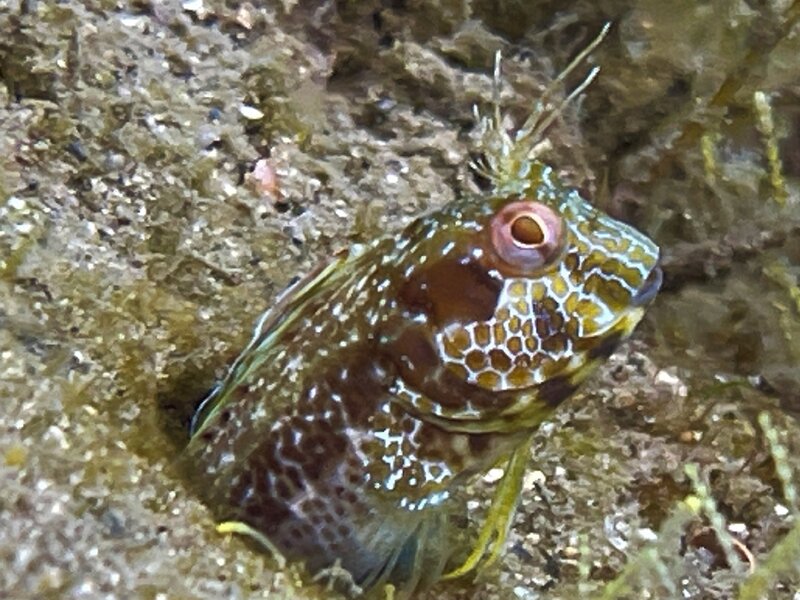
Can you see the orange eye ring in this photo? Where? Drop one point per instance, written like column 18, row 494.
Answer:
column 527, row 236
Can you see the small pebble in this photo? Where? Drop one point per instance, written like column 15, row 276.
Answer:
column 251, row 113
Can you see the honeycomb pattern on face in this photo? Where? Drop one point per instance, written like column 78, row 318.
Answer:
column 520, row 345
column 543, row 325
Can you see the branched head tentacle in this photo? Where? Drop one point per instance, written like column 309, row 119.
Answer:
column 507, row 157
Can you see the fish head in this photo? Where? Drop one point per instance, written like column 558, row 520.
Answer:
column 511, row 302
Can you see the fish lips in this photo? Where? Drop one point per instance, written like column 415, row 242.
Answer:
column 648, row 290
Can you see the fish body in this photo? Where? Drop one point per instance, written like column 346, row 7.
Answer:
column 398, row 371
column 394, row 373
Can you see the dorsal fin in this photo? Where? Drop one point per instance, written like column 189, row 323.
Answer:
column 268, row 329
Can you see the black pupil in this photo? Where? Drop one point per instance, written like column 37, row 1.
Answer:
column 526, row 230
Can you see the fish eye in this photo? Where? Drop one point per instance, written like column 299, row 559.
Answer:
column 527, row 236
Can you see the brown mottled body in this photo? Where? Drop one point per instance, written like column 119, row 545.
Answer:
column 388, row 377
column 398, row 371
column 315, row 448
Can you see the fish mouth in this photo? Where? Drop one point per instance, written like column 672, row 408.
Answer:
column 645, row 294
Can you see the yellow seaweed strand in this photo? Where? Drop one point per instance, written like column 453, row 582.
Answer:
column 780, row 456
column 494, row 531
column 244, row 529
column 766, row 125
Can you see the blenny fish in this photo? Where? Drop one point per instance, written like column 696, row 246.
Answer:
column 396, row 372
